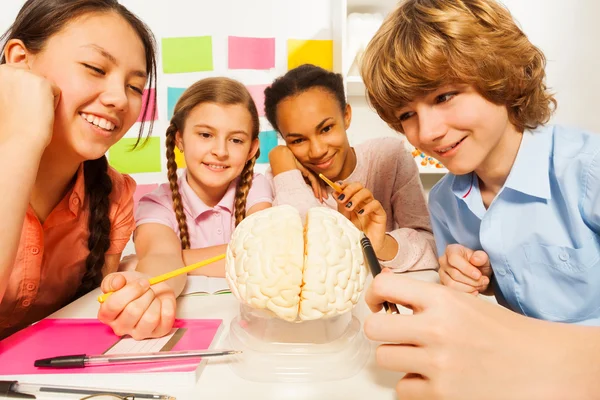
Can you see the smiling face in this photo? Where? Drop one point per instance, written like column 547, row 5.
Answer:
column 313, row 126
column 99, row 63
column 457, row 126
column 216, row 142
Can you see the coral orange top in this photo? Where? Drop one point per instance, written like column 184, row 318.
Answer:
column 51, row 258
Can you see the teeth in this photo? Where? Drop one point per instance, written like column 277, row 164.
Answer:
column 98, row 121
column 216, row 166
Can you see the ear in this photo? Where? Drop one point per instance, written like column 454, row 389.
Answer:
column 15, row 52
column 179, row 141
column 253, row 149
column 347, row 116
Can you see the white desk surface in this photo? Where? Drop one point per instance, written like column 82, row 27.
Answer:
column 218, row 381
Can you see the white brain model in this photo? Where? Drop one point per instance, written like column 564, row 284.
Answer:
column 297, row 272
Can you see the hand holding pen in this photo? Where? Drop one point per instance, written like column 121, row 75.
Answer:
column 369, row 253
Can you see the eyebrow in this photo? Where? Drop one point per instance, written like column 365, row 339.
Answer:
column 214, row 129
column 112, row 58
column 319, row 126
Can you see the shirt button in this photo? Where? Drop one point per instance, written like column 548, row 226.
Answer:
column 219, row 231
column 501, row 271
column 30, row 286
column 26, row 303
column 563, row 256
column 35, row 250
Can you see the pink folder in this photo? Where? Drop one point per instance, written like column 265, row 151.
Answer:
column 61, row 337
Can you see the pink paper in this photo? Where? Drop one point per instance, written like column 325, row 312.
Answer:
column 141, row 190
column 251, row 53
column 61, row 337
column 258, row 95
column 151, row 113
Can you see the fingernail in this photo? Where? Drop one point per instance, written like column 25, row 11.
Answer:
column 361, row 211
column 476, row 275
column 349, row 204
column 341, row 197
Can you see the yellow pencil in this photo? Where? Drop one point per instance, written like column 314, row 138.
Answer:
column 333, row 185
column 169, row 275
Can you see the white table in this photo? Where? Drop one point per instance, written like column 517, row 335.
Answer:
column 218, row 381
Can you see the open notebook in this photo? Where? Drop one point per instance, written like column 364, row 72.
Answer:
column 58, row 337
column 203, row 285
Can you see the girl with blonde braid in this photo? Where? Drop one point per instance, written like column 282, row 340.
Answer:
column 215, row 125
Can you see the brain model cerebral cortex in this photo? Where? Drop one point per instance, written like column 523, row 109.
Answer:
column 296, row 271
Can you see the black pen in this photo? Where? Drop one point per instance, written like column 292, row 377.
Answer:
column 17, row 390
column 83, row 360
column 375, row 267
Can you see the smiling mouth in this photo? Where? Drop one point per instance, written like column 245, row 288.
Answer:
column 98, row 122
column 447, row 149
column 324, row 164
column 215, row 166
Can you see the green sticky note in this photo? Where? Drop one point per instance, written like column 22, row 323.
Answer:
column 144, row 158
column 187, row 54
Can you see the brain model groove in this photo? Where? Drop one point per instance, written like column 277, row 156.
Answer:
column 297, row 272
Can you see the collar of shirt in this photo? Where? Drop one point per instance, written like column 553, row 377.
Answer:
column 196, row 207
column 530, row 173
column 77, row 196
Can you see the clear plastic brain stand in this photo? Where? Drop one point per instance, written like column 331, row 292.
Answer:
column 275, row 350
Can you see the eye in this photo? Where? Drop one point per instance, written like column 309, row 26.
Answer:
column 205, row 135
column 296, row 141
column 95, row 69
column 404, row 116
column 237, row 141
column 327, row 128
column 136, row 89
column 443, row 98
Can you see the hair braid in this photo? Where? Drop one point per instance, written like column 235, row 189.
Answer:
column 243, row 187
column 98, row 187
column 172, row 175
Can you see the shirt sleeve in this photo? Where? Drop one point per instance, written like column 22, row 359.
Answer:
column 590, row 203
column 260, row 191
column 121, row 213
column 416, row 246
column 156, row 207
column 291, row 189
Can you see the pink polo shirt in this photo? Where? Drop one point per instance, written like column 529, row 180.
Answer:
column 207, row 226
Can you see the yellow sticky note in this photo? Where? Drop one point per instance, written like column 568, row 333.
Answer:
column 317, row 52
column 179, row 159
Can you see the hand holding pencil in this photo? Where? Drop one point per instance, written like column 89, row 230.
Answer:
column 128, row 305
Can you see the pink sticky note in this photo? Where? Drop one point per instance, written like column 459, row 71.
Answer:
column 258, row 95
column 141, row 190
column 151, row 113
column 251, row 53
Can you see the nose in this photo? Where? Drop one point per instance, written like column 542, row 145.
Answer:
column 220, row 149
column 115, row 95
column 432, row 125
column 317, row 149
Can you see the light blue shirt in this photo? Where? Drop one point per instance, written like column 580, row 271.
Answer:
column 541, row 232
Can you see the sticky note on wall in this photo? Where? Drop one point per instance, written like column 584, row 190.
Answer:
column 317, row 52
column 173, row 94
column 179, row 159
column 258, row 95
column 187, row 54
column 150, row 113
column 268, row 140
column 144, row 158
column 251, row 53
